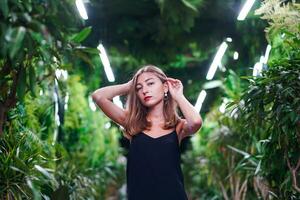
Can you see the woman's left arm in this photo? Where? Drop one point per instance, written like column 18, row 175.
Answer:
column 193, row 121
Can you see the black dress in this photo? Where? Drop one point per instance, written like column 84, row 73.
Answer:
column 153, row 168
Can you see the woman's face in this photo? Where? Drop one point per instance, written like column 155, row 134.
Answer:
column 150, row 89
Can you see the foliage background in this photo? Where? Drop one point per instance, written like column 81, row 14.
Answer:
column 54, row 146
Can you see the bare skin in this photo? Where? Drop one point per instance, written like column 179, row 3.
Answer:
column 148, row 84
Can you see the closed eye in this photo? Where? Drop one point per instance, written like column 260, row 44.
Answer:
column 150, row 83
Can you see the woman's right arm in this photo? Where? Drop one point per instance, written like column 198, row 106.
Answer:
column 103, row 98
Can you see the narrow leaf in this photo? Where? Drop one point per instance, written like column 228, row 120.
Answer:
column 32, row 78
column 21, row 88
column 18, row 41
column 189, row 5
column 4, row 8
column 79, row 37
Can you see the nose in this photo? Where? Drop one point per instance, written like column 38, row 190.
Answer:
column 145, row 90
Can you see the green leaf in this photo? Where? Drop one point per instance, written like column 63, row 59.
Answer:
column 43, row 171
column 79, row 37
column 32, row 78
column 33, row 189
column 17, row 169
column 4, row 8
column 21, row 87
column 18, row 35
column 189, row 5
column 28, row 6
column 20, row 163
column 245, row 154
column 257, row 168
column 88, row 50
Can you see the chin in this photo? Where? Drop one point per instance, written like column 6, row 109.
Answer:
column 146, row 104
column 150, row 104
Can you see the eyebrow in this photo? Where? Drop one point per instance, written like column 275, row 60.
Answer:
column 145, row 81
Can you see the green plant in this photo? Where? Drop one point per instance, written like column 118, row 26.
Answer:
column 34, row 43
column 215, row 170
column 283, row 32
column 271, row 114
column 25, row 170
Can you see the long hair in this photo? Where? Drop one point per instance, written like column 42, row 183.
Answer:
column 136, row 120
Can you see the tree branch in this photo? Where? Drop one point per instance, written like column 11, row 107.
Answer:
column 223, row 190
column 10, row 101
column 294, row 173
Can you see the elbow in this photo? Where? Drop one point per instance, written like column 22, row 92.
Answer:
column 96, row 96
column 197, row 123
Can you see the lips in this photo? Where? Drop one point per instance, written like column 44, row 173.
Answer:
column 147, row 98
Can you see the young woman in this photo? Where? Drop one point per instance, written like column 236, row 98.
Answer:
column 155, row 131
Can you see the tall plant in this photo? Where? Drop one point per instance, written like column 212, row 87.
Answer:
column 26, row 162
column 214, row 166
column 270, row 107
column 271, row 115
column 34, row 41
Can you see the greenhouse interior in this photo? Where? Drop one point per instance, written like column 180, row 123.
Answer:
column 231, row 72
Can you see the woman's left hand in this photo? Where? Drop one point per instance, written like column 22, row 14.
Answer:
column 175, row 87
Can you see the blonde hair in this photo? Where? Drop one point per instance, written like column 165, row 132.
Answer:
column 136, row 120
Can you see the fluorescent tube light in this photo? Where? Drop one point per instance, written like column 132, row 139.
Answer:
column 81, row 9
column 217, row 61
column 245, row 10
column 106, row 63
column 200, row 100
column 235, row 55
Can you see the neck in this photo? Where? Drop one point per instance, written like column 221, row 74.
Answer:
column 156, row 113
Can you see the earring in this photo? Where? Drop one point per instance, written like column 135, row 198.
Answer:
column 166, row 96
